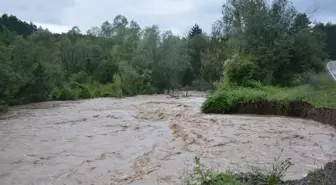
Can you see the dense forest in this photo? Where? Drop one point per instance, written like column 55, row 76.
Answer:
column 271, row 43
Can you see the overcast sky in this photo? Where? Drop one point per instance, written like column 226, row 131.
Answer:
column 176, row 15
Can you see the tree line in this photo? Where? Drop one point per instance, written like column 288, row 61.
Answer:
column 267, row 42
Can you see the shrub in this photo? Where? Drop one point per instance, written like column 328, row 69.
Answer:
column 84, row 92
column 228, row 97
column 241, row 70
column 56, row 93
column 67, row 94
column 148, row 89
column 64, row 93
column 81, row 77
column 109, row 89
column 129, row 79
column 224, row 100
column 202, row 176
column 3, row 108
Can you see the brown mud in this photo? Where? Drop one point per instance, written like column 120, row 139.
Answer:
column 298, row 109
column 323, row 176
column 149, row 140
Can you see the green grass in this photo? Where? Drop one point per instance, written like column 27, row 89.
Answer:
column 227, row 96
column 3, row 109
column 74, row 91
column 200, row 175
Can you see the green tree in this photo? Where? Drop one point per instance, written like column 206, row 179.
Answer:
column 197, row 44
column 274, row 35
column 329, row 30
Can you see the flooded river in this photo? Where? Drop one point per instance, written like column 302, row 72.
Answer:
column 148, row 140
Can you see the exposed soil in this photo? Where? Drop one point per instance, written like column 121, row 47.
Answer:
column 322, row 176
column 293, row 109
column 325, row 176
column 149, row 140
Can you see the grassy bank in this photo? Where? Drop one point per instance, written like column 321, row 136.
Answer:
column 3, row 108
column 227, row 97
column 200, row 175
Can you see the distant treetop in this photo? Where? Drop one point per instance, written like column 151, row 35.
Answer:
column 14, row 24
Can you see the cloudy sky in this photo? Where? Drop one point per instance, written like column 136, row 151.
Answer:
column 176, row 15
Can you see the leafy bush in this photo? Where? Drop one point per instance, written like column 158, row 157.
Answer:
column 202, row 176
column 81, row 77
column 129, row 79
column 55, row 93
column 64, row 93
column 241, row 70
column 84, row 92
column 109, row 89
column 3, row 108
column 224, row 100
column 228, row 97
column 67, row 94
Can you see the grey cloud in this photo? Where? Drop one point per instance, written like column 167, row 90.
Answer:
column 43, row 11
column 319, row 10
column 178, row 15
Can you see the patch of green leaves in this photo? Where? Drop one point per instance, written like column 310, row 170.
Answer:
column 228, row 96
column 3, row 108
column 200, row 175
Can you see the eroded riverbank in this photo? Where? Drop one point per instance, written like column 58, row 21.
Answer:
column 148, row 140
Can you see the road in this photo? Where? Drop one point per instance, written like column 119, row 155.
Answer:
column 332, row 68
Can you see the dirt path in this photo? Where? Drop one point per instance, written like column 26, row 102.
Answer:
column 147, row 140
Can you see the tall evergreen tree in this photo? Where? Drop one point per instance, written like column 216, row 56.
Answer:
column 196, row 45
column 17, row 26
column 329, row 30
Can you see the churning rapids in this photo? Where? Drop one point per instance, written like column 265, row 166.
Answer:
column 148, row 140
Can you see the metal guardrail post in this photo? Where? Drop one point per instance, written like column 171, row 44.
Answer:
column 331, row 70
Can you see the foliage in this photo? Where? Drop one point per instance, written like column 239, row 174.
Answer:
column 269, row 44
column 329, row 31
column 241, row 70
column 200, row 175
column 12, row 23
column 196, row 45
column 113, row 89
column 81, row 77
column 228, row 96
column 279, row 39
column 63, row 93
column 115, row 59
column 3, row 108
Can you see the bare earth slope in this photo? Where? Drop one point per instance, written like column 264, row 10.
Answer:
column 148, row 140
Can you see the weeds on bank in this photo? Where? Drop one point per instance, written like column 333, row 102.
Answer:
column 228, row 96
column 202, row 176
column 3, row 108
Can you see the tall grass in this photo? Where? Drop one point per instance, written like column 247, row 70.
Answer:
column 3, row 108
column 200, row 175
column 320, row 94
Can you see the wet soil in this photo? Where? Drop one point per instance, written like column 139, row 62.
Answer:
column 294, row 109
column 149, row 140
column 324, row 176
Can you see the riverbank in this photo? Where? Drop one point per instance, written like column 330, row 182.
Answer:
column 316, row 101
column 3, row 109
column 308, row 101
column 201, row 175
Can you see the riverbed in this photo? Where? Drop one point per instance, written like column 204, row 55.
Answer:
column 149, row 140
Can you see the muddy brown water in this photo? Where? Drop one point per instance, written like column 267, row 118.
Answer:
column 148, row 140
